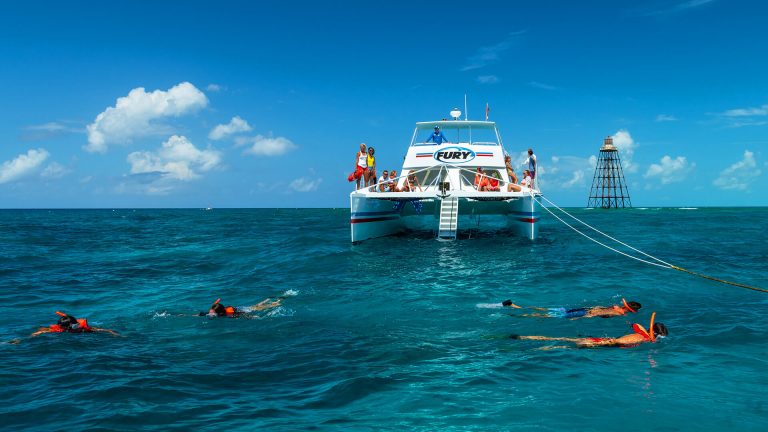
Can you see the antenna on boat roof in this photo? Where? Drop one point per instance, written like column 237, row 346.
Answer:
column 466, row 112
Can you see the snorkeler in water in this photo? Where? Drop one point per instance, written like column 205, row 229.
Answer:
column 640, row 335
column 219, row 310
column 68, row 324
column 590, row 312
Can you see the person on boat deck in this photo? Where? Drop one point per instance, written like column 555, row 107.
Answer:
column 412, row 183
column 638, row 336
column 383, row 181
column 219, row 310
column 437, row 136
column 392, row 184
column 480, row 179
column 531, row 163
column 527, row 180
column 370, row 174
column 69, row 324
column 361, row 166
column 512, row 185
column 493, row 182
column 589, row 312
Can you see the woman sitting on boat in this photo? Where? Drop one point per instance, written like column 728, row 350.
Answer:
column 412, row 184
column 493, row 182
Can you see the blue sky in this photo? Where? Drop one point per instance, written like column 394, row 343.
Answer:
column 240, row 104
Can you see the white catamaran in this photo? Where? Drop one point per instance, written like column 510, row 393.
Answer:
column 445, row 197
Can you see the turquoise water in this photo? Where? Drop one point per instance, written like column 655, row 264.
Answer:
column 391, row 334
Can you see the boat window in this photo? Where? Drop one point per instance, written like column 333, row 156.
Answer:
column 466, row 136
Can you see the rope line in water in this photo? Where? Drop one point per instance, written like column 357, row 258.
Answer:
column 663, row 264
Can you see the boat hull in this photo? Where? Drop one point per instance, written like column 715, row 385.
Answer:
column 375, row 217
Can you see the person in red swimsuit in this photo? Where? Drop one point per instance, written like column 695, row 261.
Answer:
column 638, row 336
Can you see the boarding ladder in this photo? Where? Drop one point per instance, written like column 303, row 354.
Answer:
column 449, row 218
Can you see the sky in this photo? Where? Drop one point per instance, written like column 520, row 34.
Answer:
column 263, row 104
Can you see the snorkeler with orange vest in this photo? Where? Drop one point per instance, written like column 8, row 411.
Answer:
column 638, row 336
column 219, row 310
column 590, row 312
column 68, row 324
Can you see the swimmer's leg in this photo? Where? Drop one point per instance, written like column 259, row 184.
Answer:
column 545, row 338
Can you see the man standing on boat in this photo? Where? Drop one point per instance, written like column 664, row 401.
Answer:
column 437, row 136
column 530, row 163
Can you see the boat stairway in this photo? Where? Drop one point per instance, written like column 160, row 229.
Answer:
column 449, row 216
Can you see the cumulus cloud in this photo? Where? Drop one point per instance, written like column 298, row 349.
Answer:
column 138, row 114
column 23, row 165
column 488, row 79
column 566, row 172
column 665, row 118
column 177, row 159
column 236, row 125
column 670, row 170
column 266, row 146
column 490, row 54
column 623, row 141
column 303, row 184
column 739, row 175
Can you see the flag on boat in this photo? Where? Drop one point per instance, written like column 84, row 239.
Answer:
column 487, row 110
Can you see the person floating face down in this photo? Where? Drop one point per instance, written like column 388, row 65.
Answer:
column 219, row 310
column 437, row 136
column 638, row 336
column 586, row 312
column 69, row 324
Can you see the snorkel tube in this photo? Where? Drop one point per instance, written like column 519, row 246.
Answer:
column 627, row 306
column 650, row 327
column 61, row 314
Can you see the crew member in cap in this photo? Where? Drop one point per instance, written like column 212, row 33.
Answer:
column 437, row 136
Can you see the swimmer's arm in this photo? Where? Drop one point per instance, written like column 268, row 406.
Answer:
column 40, row 331
column 112, row 332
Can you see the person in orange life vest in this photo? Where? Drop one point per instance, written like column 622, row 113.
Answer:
column 590, row 312
column 638, row 336
column 219, row 310
column 70, row 324
column 481, row 180
column 361, row 166
column 493, row 183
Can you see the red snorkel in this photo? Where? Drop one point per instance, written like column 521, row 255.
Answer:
column 650, row 327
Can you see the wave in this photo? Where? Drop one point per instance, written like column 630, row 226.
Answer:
column 489, row 305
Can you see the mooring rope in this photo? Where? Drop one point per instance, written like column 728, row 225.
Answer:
column 663, row 264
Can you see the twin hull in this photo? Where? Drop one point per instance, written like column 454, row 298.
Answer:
column 378, row 217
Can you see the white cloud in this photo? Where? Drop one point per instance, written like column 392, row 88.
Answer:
column 213, row 88
column 177, row 159
column 670, row 170
column 541, row 85
column 54, row 170
column 137, row 114
column 747, row 112
column 265, row 146
column 665, row 118
column 303, row 184
column 739, row 175
column 490, row 54
column 566, row 172
column 488, row 79
column 626, row 146
column 234, row 126
column 23, row 165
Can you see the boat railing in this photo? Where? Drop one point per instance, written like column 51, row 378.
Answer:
column 397, row 179
column 501, row 181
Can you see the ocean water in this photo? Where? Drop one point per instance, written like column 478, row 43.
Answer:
column 399, row 333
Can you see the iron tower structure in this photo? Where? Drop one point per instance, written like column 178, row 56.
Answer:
column 609, row 188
